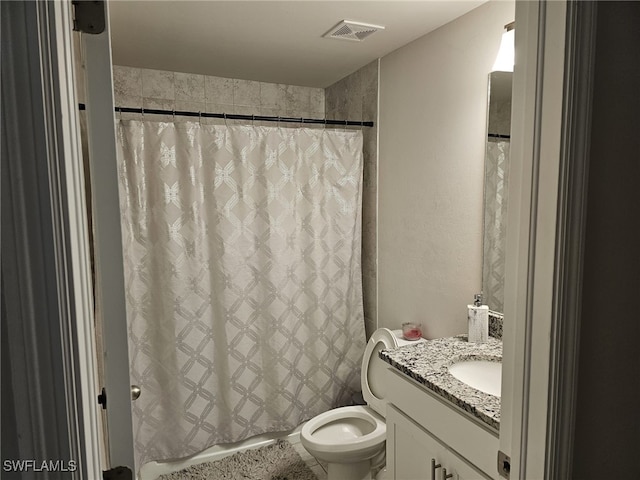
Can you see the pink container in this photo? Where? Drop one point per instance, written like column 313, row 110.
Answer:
column 412, row 331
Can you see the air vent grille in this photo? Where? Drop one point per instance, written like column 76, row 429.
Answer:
column 355, row 31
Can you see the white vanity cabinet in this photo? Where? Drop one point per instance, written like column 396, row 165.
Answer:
column 416, row 454
column 428, row 438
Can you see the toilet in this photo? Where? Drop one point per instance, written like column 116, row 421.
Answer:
column 351, row 440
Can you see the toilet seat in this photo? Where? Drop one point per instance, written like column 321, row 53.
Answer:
column 373, row 388
column 351, row 440
column 336, row 418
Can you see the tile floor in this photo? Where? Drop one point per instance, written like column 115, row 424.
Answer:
column 316, row 467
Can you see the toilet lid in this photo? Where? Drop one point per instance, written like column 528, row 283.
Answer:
column 373, row 367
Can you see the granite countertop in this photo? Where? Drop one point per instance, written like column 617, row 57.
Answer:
column 428, row 362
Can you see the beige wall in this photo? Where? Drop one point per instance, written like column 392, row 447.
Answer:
column 433, row 108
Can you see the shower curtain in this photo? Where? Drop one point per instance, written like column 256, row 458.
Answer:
column 495, row 222
column 243, row 279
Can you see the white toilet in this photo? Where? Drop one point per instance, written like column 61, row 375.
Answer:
column 351, row 440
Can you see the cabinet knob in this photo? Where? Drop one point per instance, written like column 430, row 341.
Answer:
column 446, row 475
column 434, row 467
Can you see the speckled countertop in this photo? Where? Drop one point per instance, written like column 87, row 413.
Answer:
column 428, row 363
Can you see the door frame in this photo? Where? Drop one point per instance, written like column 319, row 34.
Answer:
column 107, row 241
column 546, row 224
column 531, row 225
column 46, row 268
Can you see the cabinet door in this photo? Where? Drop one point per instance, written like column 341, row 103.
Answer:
column 460, row 469
column 411, row 450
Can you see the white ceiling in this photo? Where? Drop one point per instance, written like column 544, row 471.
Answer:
column 269, row 41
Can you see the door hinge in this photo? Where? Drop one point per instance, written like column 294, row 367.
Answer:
column 102, row 399
column 118, row 473
column 89, row 16
column 504, row 464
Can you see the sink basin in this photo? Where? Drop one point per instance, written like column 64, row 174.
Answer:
column 482, row 375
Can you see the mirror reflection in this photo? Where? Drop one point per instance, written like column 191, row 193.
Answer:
column 496, row 174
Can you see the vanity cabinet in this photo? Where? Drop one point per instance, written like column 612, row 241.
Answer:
column 417, row 454
column 423, row 427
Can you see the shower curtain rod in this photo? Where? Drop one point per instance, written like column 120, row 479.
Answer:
column 498, row 135
column 234, row 116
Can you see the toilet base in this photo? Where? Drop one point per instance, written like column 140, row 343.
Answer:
column 351, row 471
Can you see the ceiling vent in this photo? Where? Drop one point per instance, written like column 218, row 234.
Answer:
column 355, row 31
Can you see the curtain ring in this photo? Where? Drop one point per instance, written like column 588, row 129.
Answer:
column 253, row 120
column 224, row 115
column 301, row 121
column 278, row 121
column 324, row 127
column 119, row 113
column 200, row 117
column 345, row 125
column 142, row 110
column 173, row 112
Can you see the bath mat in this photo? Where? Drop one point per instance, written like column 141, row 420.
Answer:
column 278, row 461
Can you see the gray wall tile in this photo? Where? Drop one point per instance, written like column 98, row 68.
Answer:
column 189, row 87
column 270, row 112
column 246, row 93
column 218, row 90
column 216, row 94
column 296, row 99
column 159, row 103
column 124, row 100
column 316, row 101
column 127, row 81
column 158, row 84
column 355, row 97
column 271, row 96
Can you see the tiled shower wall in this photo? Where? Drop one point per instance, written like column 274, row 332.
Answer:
column 355, row 97
column 141, row 87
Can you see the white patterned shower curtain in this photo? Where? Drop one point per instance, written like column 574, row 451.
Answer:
column 243, row 280
column 495, row 222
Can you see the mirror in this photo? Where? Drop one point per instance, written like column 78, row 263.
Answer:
column 496, row 174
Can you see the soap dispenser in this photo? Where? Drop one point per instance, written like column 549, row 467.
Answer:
column 478, row 320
